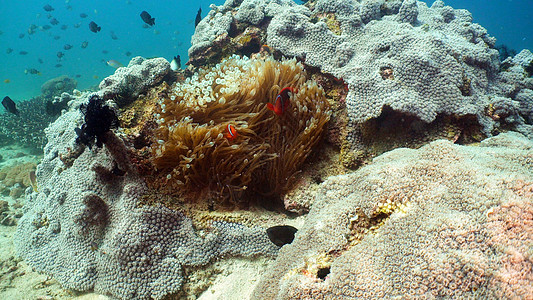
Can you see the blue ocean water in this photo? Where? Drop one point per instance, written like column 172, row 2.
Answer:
column 170, row 36
column 510, row 21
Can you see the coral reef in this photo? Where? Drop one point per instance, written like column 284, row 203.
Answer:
column 422, row 62
column 432, row 222
column 87, row 227
column 27, row 129
column 57, row 86
column 191, row 150
column 126, row 84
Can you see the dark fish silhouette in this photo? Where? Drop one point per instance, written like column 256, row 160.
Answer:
column 67, row 46
column 58, row 65
column 64, row 27
column 147, row 18
column 9, row 50
column 175, row 64
column 21, row 35
column 46, row 27
column 10, row 106
column 48, row 7
column 128, row 53
column 60, row 54
column 32, row 71
column 54, row 21
column 93, row 27
column 57, row 37
column 83, row 15
column 198, row 17
column 84, row 44
column 281, row 235
column 113, row 36
column 23, row 52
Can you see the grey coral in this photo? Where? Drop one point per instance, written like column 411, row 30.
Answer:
column 440, row 62
column 87, row 229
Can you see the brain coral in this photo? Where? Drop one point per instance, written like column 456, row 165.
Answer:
column 441, row 221
column 192, row 151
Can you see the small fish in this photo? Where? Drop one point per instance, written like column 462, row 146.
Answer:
column 46, row 27
column 40, row 60
column 83, row 15
column 21, row 35
column 156, row 31
column 281, row 235
column 95, row 76
column 56, row 37
column 146, row 25
column 31, row 29
column 175, row 64
column 282, row 101
column 7, row 81
column 77, row 76
column 48, row 7
column 60, row 54
column 32, row 71
column 10, row 105
column 113, row 36
column 113, row 63
column 64, row 27
column 54, row 21
column 105, row 51
column 67, row 46
column 58, row 65
column 48, row 16
column 147, row 18
column 9, row 50
column 23, row 52
column 231, row 132
column 33, row 181
column 198, row 17
column 94, row 27
column 77, row 25
column 128, row 53
column 84, row 44
column 69, row 7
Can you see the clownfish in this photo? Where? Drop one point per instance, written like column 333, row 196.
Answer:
column 282, row 101
column 231, row 132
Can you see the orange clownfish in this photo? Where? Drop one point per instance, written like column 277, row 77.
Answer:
column 282, row 101
column 231, row 132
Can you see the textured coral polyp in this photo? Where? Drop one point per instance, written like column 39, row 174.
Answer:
column 511, row 229
column 191, row 148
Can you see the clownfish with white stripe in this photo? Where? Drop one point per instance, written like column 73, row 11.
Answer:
column 282, row 101
column 231, row 132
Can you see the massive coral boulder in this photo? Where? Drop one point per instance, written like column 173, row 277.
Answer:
column 57, row 86
column 126, row 84
column 441, row 221
column 89, row 227
column 419, row 61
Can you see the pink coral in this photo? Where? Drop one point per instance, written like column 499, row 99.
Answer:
column 511, row 229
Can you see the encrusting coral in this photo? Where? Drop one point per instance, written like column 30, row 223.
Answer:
column 193, row 149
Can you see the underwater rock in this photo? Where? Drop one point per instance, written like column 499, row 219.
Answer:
column 57, row 86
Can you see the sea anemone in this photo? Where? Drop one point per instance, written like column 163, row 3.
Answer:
column 191, row 150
